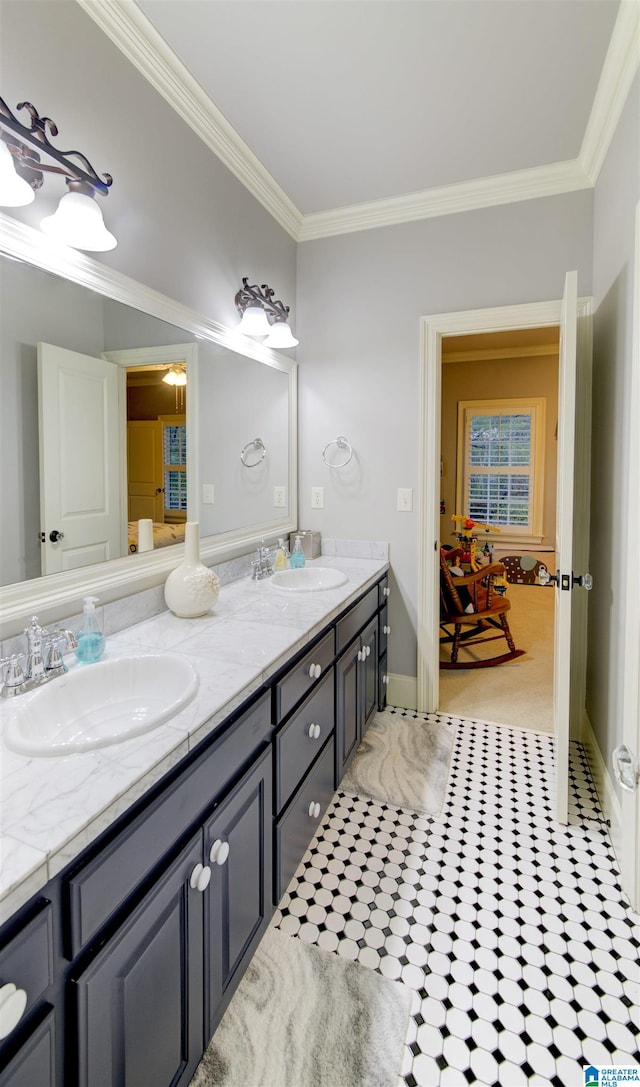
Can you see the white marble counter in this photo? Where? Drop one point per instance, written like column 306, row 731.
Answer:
column 51, row 808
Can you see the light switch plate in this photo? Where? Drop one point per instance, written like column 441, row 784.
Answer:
column 207, row 494
column 280, row 496
column 317, row 498
column 405, row 499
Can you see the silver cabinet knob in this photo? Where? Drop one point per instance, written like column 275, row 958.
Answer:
column 200, row 878
column 315, row 670
column 386, row 590
column 361, row 654
column 313, row 732
column 385, row 679
column 314, row 809
column 367, row 650
column 13, row 1002
column 219, row 852
column 386, row 629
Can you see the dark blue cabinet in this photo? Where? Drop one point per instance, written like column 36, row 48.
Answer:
column 237, row 904
column 356, row 694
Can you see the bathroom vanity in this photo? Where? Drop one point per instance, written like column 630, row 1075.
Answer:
column 126, row 943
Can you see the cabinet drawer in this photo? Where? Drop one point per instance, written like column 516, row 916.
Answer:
column 295, row 748
column 26, row 960
column 297, row 826
column 295, row 683
column 34, row 1063
column 102, row 885
column 355, row 619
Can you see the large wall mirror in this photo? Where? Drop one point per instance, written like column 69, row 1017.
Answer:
column 94, row 441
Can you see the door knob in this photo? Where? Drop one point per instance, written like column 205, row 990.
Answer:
column 626, row 768
column 54, row 536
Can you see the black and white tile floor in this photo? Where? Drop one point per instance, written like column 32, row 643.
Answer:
column 511, row 930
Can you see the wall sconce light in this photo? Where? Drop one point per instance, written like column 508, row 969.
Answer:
column 78, row 220
column 262, row 315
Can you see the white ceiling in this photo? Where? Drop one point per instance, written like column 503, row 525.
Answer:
column 381, row 104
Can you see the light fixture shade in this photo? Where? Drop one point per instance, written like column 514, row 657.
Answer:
column 15, row 192
column 254, row 321
column 78, row 222
column 175, row 376
column 280, row 336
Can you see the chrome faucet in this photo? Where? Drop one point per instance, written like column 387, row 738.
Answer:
column 37, row 670
column 262, row 567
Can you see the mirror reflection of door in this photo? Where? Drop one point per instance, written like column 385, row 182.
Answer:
column 78, row 440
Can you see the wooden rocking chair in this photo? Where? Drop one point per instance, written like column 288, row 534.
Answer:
column 489, row 613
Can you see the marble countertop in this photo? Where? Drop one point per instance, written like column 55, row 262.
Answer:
column 52, row 807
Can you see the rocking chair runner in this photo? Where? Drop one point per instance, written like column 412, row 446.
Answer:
column 489, row 613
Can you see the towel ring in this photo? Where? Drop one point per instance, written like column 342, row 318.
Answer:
column 342, row 443
column 260, row 448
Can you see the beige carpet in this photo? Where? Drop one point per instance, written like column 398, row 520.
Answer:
column 518, row 693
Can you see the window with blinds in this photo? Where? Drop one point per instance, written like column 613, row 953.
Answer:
column 501, row 463
column 174, row 446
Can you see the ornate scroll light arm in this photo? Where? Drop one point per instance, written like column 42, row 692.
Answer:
column 263, row 296
column 27, row 143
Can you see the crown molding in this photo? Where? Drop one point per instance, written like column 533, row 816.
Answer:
column 618, row 71
column 484, row 192
column 136, row 37
column 132, row 32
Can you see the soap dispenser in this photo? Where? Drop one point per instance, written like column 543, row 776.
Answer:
column 90, row 637
column 297, row 555
column 282, row 555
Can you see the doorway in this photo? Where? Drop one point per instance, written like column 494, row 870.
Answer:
column 499, row 412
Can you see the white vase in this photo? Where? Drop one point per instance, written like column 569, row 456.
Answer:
column 192, row 588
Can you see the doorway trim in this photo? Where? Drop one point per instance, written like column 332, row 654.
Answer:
column 432, row 330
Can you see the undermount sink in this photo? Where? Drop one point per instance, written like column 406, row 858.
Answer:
column 96, row 705
column 308, row 579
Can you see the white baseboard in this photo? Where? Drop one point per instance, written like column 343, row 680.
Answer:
column 604, row 786
column 402, row 691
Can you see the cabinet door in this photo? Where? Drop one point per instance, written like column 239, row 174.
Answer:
column 34, row 1064
column 369, row 675
column 347, row 720
column 238, row 847
column 139, row 1004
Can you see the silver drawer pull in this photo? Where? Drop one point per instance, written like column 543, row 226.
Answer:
column 386, row 590
column 314, row 809
column 386, row 630
column 13, row 1001
column 219, row 852
column 313, row 732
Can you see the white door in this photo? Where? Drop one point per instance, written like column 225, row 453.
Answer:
column 562, row 687
column 572, row 502
column 79, row 459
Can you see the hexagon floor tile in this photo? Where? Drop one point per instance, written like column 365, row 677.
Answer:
column 511, row 930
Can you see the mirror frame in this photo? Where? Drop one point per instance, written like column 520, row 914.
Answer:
column 51, row 597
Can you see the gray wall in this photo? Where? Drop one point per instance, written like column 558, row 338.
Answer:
column 185, row 226
column 360, row 299
column 616, row 196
